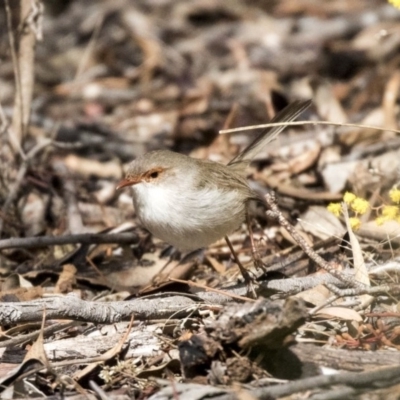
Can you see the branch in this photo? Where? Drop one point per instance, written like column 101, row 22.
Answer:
column 383, row 377
column 158, row 306
column 84, row 238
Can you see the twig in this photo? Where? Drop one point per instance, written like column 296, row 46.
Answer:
column 15, row 135
column 274, row 213
column 23, row 64
column 49, row 330
column 382, row 377
column 89, row 48
column 101, row 394
column 393, row 289
column 209, row 289
column 84, row 238
column 301, row 123
column 71, row 307
column 325, row 303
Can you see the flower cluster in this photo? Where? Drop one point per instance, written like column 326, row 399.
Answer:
column 360, row 206
column 395, row 3
column 390, row 212
column 356, row 204
column 394, row 194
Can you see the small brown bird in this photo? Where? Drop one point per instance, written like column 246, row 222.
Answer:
column 191, row 203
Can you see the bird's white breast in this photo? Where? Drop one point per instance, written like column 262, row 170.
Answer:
column 188, row 219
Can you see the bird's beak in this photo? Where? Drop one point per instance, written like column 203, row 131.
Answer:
column 124, row 183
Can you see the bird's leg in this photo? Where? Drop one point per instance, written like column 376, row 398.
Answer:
column 173, row 255
column 246, row 276
column 254, row 252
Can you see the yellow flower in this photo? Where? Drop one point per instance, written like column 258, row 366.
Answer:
column 380, row 220
column 395, row 3
column 394, row 194
column 359, row 205
column 349, row 197
column 355, row 223
column 390, row 212
column 335, row 208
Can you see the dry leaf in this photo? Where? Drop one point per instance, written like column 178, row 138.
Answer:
column 339, row 312
column 321, row 223
column 66, row 280
column 316, row 296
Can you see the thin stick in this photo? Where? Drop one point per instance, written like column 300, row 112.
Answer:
column 16, row 130
column 85, row 238
column 263, row 126
column 209, row 289
column 89, row 48
column 330, row 267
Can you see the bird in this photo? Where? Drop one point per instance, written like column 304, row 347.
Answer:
column 191, row 203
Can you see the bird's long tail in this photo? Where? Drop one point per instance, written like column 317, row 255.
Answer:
column 288, row 114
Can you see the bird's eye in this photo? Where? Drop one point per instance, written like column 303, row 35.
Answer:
column 154, row 175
